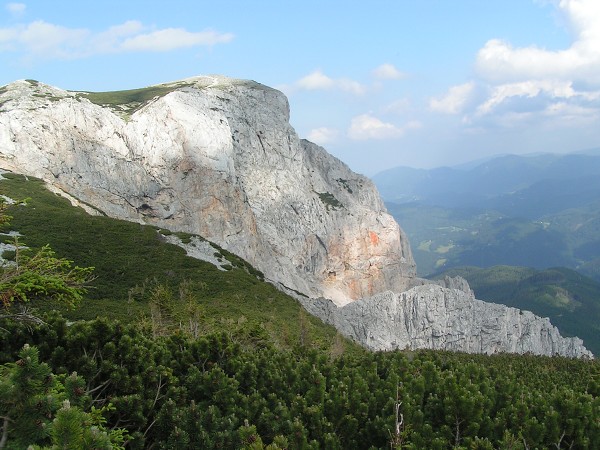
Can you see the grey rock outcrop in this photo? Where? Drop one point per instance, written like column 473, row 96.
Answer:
column 434, row 317
column 217, row 157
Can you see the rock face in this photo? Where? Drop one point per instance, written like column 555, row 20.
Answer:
column 217, row 157
column 434, row 317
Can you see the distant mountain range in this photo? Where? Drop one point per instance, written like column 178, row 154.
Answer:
column 538, row 210
column 495, row 183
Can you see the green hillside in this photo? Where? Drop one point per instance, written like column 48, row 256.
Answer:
column 569, row 299
column 135, row 268
column 129, row 101
column 442, row 238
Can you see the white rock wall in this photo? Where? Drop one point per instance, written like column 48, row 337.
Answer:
column 434, row 317
column 217, row 157
column 220, row 159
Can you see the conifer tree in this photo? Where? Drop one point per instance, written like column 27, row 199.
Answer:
column 28, row 399
column 38, row 409
column 38, row 275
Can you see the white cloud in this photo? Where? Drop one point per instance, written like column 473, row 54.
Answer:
column 351, row 86
column 317, row 80
column 564, row 114
column 455, row 99
column 564, row 109
column 50, row 41
column 397, row 107
column 7, row 37
column 366, row 126
column 526, row 89
column 555, row 103
column 498, row 61
column 110, row 40
column 43, row 40
column 323, row 135
column 388, row 72
column 531, row 86
column 174, row 38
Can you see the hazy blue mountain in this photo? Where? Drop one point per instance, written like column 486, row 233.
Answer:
column 538, row 211
column 466, row 186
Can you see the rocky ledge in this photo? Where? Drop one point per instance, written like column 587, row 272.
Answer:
column 434, row 317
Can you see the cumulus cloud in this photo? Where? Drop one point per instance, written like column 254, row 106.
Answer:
column 564, row 113
column 523, row 86
column 454, row 101
column 388, row 72
column 499, row 61
column 16, row 9
column 111, row 39
column 526, row 90
column 323, row 135
column 317, row 80
column 366, row 127
column 43, row 40
column 400, row 106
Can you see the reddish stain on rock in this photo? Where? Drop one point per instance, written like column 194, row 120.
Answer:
column 374, row 238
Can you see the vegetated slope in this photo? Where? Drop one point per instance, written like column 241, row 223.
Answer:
column 128, row 101
column 174, row 391
column 135, row 266
column 180, row 393
column 569, row 299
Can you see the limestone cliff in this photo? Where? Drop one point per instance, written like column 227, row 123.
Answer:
column 217, row 157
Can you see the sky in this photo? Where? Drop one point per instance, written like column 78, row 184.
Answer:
column 378, row 83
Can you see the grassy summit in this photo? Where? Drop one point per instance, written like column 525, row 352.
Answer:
column 128, row 101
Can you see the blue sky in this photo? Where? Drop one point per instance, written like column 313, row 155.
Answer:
column 379, row 84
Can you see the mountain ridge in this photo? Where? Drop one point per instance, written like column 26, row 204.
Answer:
column 496, row 176
column 218, row 158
